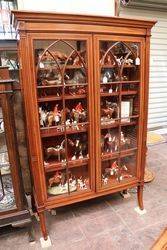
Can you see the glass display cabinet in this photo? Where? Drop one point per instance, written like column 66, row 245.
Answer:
column 85, row 88
column 13, row 208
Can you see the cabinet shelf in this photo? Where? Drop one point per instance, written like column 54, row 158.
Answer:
column 111, row 125
column 48, row 68
column 128, row 152
column 109, row 156
column 109, row 94
column 108, row 66
column 57, row 98
column 129, row 92
column 119, row 82
column 49, row 98
column 53, row 166
column 56, row 130
column 122, row 153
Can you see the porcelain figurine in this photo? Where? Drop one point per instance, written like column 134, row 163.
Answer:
column 124, row 140
column 78, row 77
column 129, row 61
column 104, row 180
column 56, row 179
column 110, row 110
column 54, row 55
column 113, row 170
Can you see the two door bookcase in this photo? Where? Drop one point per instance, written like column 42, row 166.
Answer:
column 85, row 87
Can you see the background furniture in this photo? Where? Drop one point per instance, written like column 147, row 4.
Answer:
column 85, row 85
column 13, row 206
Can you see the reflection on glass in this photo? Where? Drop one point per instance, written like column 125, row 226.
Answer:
column 7, row 200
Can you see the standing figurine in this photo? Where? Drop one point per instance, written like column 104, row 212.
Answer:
column 57, row 114
column 79, row 107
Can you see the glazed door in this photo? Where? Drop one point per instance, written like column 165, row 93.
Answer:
column 119, row 84
column 7, row 194
column 63, row 83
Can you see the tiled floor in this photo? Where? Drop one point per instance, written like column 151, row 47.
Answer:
column 109, row 222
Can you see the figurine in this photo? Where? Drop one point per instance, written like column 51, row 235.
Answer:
column 113, row 170
column 110, row 143
column 128, row 61
column 50, row 118
column 119, row 60
column 57, row 114
column 79, row 77
column 58, row 151
column 43, row 116
column 108, row 60
column 56, row 179
column 81, row 183
column 79, row 113
column 79, row 148
column 104, row 180
column 54, row 55
column 124, row 141
column 110, row 110
column 77, row 61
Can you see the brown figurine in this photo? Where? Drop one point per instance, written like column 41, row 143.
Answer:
column 56, row 179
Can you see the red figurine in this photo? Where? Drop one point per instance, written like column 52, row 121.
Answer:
column 79, row 108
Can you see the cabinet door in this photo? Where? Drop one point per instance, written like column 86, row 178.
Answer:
column 119, row 82
column 64, row 89
column 7, row 194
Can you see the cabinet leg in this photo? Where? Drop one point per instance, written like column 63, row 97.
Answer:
column 43, row 225
column 140, row 196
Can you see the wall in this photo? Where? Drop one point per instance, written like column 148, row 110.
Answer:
column 105, row 7
column 157, row 115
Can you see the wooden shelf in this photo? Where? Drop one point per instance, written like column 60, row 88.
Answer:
column 112, row 125
column 122, row 153
column 131, row 82
column 129, row 66
column 69, row 97
column 58, row 98
column 49, row 86
column 109, row 83
column 109, row 94
column 49, row 67
column 128, row 152
column 53, row 131
column 109, row 156
column 128, row 123
column 106, row 66
column 54, row 166
column 76, row 84
column 49, row 98
column 129, row 92
column 60, row 85
column 119, row 82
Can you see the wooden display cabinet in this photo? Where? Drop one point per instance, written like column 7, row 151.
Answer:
column 85, row 85
column 13, row 206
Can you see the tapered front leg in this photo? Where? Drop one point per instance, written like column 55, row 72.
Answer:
column 140, row 196
column 43, row 225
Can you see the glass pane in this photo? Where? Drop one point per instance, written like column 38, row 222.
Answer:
column 7, row 200
column 119, row 90
column 69, row 182
column 62, row 88
column 10, row 58
column 128, row 167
